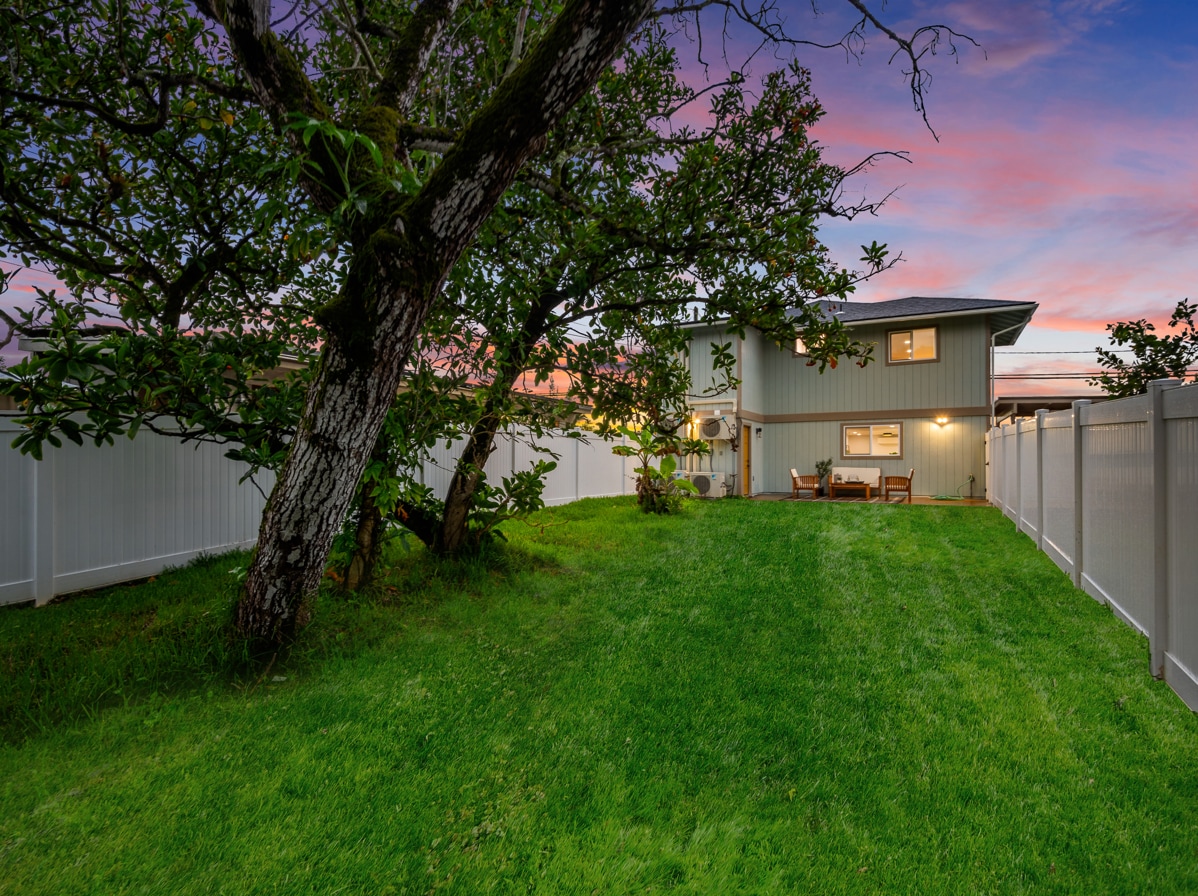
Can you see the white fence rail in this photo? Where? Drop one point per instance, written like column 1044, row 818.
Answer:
column 1110, row 493
column 87, row 517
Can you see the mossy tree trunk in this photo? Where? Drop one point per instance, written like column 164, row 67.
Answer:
column 398, row 263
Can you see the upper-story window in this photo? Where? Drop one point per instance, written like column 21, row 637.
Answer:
column 913, row 345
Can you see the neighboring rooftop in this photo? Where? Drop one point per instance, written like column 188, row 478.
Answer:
column 1012, row 407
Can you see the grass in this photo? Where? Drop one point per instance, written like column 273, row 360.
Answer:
column 750, row 698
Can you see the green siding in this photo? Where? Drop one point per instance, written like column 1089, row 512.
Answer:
column 943, row 457
column 702, row 370
column 754, row 390
column 776, row 383
column 958, row 379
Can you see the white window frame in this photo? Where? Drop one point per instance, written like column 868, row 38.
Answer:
column 876, row 433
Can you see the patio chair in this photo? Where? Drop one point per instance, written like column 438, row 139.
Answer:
column 802, row 484
column 898, row 484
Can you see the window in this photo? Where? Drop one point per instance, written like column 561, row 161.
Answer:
column 913, row 345
column 873, row 440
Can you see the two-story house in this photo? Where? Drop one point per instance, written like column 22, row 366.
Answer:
column 925, row 402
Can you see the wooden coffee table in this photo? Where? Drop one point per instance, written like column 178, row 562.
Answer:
column 834, row 487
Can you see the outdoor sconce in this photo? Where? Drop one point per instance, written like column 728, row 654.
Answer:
column 941, row 420
column 759, row 432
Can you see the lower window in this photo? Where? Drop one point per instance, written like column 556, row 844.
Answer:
column 873, row 439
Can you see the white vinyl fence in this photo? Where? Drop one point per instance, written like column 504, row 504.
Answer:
column 1110, row 492
column 87, row 517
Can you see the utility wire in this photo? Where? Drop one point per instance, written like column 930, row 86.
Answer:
column 1117, row 351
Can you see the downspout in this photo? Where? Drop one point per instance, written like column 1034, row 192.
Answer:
column 993, row 400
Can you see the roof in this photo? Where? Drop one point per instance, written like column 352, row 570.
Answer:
column 1007, row 319
column 1014, row 406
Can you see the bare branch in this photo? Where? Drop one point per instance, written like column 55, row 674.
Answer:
column 358, row 41
column 910, row 47
column 518, row 40
column 765, row 20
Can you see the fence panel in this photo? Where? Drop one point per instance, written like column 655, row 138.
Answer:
column 994, row 467
column 1028, row 435
column 1058, row 518
column 561, row 485
column 89, row 517
column 1181, row 489
column 18, row 522
column 86, row 517
column 1011, row 472
column 1126, row 474
column 602, row 474
column 437, row 472
column 1117, row 540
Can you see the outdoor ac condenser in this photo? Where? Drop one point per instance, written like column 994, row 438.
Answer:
column 710, row 485
column 717, row 428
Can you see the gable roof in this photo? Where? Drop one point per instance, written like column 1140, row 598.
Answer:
column 1007, row 319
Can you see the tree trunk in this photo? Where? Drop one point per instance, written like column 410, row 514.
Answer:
column 368, row 545
column 452, row 534
column 395, row 274
column 344, row 411
column 454, row 528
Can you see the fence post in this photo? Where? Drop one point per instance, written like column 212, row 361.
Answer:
column 1040, row 478
column 1159, row 640
column 1079, row 489
column 43, row 527
column 1018, row 483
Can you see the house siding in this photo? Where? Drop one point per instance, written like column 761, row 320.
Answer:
column 754, row 352
column 703, row 373
column 957, row 380
column 943, row 456
column 800, row 411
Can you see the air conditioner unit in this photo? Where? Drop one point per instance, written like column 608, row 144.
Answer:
column 717, row 428
column 710, row 485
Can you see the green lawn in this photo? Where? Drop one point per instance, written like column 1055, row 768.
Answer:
column 748, row 698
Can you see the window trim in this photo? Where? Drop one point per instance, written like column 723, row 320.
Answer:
column 890, row 360
column 896, row 425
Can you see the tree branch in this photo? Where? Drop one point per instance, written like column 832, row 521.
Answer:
column 410, row 54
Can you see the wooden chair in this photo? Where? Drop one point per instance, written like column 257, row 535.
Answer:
column 802, row 484
column 898, row 484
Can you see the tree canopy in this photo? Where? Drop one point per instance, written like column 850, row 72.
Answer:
column 316, row 178
column 1156, row 356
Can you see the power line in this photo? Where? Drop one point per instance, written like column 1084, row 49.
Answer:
column 1116, row 351
column 1065, row 376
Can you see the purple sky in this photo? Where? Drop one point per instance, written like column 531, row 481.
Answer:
column 1065, row 173
column 1066, row 170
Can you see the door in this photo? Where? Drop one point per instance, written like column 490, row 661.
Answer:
column 746, row 453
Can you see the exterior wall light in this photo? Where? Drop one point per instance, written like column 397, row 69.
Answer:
column 941, row 420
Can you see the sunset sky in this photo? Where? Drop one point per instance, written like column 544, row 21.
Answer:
column 1064, row 174
column 1066, row 170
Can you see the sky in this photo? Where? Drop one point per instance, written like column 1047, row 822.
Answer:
column 1065, row 171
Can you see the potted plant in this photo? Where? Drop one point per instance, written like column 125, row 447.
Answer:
column 822, row 469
